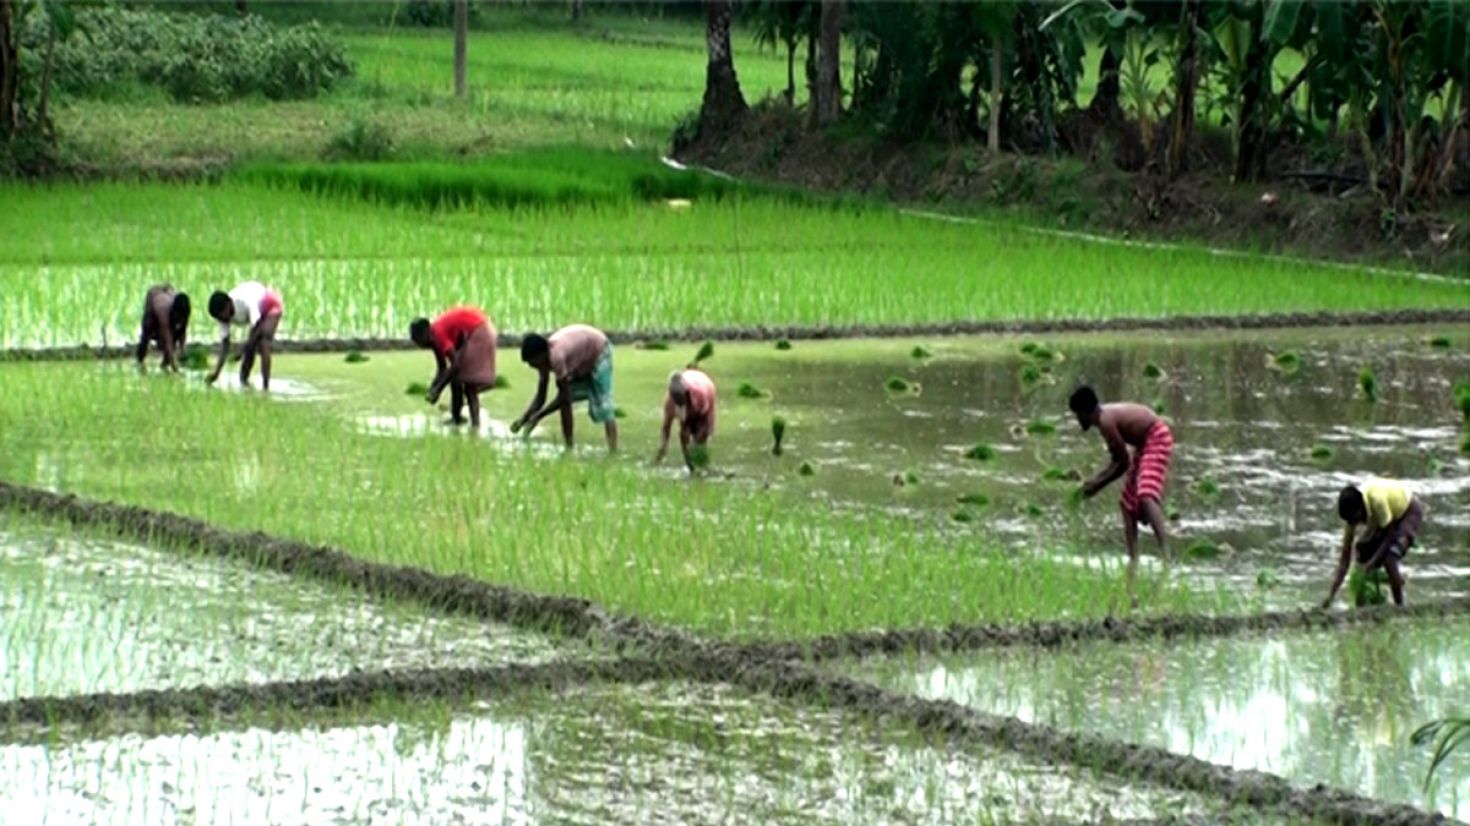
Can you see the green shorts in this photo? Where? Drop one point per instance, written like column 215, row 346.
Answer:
column 596, row 389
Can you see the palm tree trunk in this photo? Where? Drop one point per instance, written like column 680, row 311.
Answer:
column 1186, row 82
column 791, row 73
column 828, row 103
column 992, row 134
column 724, row 104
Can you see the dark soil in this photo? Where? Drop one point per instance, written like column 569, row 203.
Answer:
column 1309, row 215
column 838, row 331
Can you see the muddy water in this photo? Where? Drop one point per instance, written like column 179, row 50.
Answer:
column 1315, row 708
column 84, row 616
column 670, row 753
column 1245, row 427
column 1239, row 424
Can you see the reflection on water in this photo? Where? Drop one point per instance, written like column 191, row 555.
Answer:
column 285, row 389
column 669, row 753
column 1315, row 708
column 84, row 616
column 1245, row 426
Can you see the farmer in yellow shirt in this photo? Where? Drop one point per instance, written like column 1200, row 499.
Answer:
column 1392, row 514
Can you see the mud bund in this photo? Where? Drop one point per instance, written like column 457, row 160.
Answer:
column 775, row 669
column 808, row 333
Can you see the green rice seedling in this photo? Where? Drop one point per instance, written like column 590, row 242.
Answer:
column 1368, row 384
column 653, row 344
column 1153, row 371
column 1440, row 342
column 699, row 457
column 1159, row 407
column 355, row 357
column 1040, row 427
column 1287, row 362
column 975, row 500
column 1031, row 376
column 1060, row 474
column 619, row 413
column 1365, row 588
column 1465, row 445
column 1322, row 453
column 1028, row 348
column 1206, row 488
column 783, row 344
column 778, row 432
column 1267, row 578
column 746, row 390
column 910, row 478
column 981, row 453
column 897, row 386
column 806, row 469
column 196, row 357
column 1462, row 399
column 1034, row 511
column 1202, row 549
column 1171, row 513
column 1076, row 497
column 417, row 388
column 962, row 516
column 501, row 382
column 706, row 350
column 920, row 352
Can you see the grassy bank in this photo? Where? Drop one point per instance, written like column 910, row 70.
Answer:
column 721, row 558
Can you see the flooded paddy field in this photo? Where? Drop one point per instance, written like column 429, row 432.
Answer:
column 1336, row 709
column 1260, row 454
column 656, row 752
column 85, row 615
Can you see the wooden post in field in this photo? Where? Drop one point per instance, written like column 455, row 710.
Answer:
column 461, row 34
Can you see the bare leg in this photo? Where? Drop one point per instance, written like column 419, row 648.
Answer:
column 472, row 395
column 612, row 435
column 1130, row 538
column 1154, row 515
column 247, row 359
column 265, row 365
column 1395, row 579
column 456, row 403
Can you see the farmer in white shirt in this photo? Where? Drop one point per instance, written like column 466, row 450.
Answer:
column 258, row 308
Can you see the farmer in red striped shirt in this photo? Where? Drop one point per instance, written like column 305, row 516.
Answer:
column 1123, row 424
column 463, row 341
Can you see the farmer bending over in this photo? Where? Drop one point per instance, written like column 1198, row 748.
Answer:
column 691, row 400
column 258, row 308
column 1122, row 424
column 580, row 357
column 1393, row 515
column 463, row 342
column 166, row 321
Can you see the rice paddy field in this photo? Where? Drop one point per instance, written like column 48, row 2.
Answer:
column 324, row 603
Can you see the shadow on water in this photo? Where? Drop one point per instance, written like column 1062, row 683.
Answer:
column 1316, row 708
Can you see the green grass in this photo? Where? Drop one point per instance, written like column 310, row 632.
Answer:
column 533, row 80
column 759, row 562
column 75, row 259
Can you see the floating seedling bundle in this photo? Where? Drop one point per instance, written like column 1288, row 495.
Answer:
column 1368, row 384
column 355, row 357
column 746, row 390
column 1286, row 362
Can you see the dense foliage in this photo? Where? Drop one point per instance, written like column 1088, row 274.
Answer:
column 1373, row 88
column 194, row 58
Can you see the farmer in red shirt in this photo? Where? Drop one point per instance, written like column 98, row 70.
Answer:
column 1123, row 424
column 691, row 400
column 463, row 342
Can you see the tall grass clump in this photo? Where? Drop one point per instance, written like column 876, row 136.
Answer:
column 563, row 177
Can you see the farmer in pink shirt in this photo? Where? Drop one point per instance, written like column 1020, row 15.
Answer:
column 257, row 308
column 691, row 400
